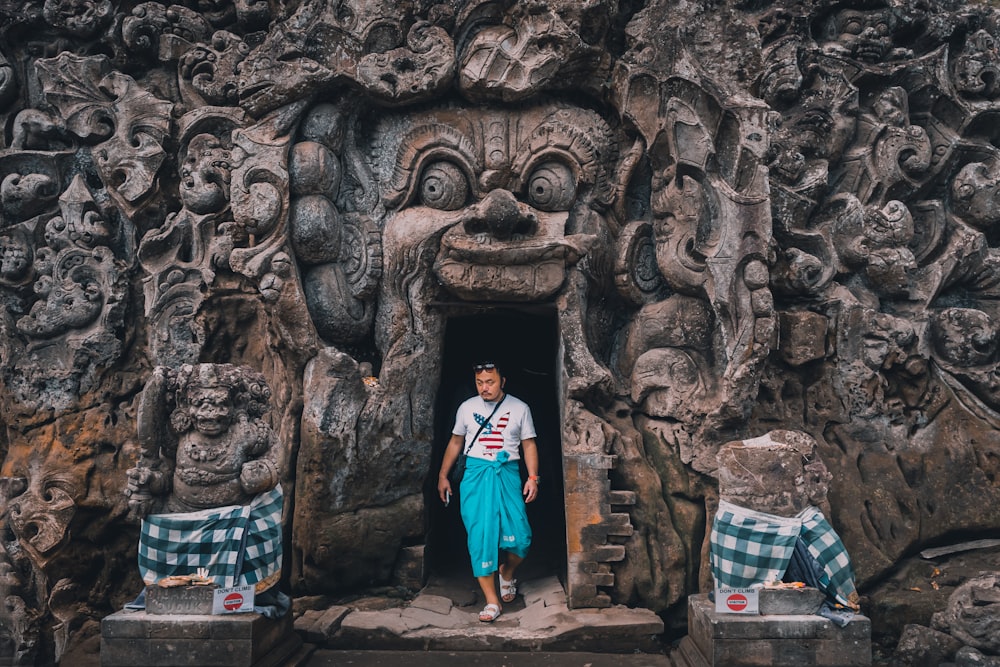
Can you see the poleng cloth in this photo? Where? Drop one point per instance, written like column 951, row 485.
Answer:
column 237, row 544
column 493, row 512
column 749, row 547
column 837, row 578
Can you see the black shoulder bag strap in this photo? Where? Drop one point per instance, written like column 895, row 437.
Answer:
column 468, row 448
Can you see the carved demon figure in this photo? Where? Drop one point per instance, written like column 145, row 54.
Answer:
column 212, row 450
column 508, row 202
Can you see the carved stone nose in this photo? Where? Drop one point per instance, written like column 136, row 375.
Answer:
column 498, row 212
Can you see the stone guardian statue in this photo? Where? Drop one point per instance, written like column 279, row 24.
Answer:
column 206, row 482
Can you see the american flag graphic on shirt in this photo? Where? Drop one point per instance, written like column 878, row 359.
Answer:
column 491, row 437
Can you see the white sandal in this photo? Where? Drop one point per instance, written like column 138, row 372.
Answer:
column 490, row 613
column 508, row 588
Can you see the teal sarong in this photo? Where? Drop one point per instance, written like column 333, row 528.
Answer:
column 493, row 512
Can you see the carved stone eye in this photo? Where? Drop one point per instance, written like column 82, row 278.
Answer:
column 551, row 187
column 443, row 186
column 853, row 26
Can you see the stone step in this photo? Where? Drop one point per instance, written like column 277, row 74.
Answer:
column 538, row 620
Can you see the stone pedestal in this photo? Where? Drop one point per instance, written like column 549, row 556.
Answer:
column 745, row 640
column 137, row 638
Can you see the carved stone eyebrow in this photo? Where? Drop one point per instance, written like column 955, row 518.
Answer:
column 578, row 138
column 429, row 141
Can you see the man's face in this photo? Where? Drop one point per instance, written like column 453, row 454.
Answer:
column 489, row 384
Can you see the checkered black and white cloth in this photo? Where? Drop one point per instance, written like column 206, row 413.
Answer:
column 825, row 546
column 237, row 544
column 749, row 547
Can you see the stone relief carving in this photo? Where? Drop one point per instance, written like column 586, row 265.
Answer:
column 775, row 216
column 202, row 441
column 340, row 247
column 67, row 326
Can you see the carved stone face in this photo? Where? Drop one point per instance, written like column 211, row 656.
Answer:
column 864, row 35
column 667, row 382
column 887, row 342
column 977, row 68
column 511, row 191
column 70, row 304
column 24, row 195
column 964, row 337
column 15, row 258
column 80, row 17
column 41, row 515
column 211, row 410
column 828, row 113
column 206, row 66
column 976, row 194
column 41, row 503
column 891, row 107
column 205, row 175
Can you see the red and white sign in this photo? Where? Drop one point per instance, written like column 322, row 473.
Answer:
column 234, row 600
column 737, row 601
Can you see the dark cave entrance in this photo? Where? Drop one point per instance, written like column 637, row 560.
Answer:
column 525, row 341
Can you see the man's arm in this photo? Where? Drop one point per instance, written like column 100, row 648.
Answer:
column 530, row 450
column 451, row 453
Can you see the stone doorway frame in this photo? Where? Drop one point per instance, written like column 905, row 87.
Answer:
column 594, row 518
column 542, row 394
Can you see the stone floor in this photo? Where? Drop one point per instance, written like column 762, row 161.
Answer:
column 440, row 627
column 444, row 617
column 331, row 658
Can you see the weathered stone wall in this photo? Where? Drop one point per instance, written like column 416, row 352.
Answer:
column 747, row 216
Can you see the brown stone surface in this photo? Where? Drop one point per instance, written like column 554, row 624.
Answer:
column 684, row 224
column 777, row 473
column 539, row 620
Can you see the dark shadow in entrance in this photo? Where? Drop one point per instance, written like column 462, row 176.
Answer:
column 526, row 345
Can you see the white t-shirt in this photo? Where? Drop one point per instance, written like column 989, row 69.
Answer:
column 509, row 426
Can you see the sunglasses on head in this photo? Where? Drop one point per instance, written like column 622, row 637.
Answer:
column 486, row 366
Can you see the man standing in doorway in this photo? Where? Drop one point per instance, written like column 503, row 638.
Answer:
column 493, row 429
